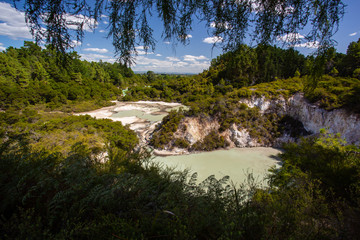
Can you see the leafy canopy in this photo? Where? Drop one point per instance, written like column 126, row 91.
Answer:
column 59, row 21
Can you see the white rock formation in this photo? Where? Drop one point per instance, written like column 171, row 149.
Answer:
column 315, row 118
column 242, row 138
column 312, row 117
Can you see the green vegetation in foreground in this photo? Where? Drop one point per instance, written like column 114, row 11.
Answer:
column 73, row 196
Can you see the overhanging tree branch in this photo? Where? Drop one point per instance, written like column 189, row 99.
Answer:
column 230, row 20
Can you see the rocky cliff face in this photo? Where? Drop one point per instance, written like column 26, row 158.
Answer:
column 315, row 118
column 195, row 129
column 312, row 117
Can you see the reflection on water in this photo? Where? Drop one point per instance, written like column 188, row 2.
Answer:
column 236, row 163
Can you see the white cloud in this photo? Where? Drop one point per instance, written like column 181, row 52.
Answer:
column 297, row 40
column 312, row 45
column 191, row 58
column 173, row 59
column 13, row 22
column 102, row 30
column 352, row 34
column 73, row 21
column 189, row 64
column 2, row 48
column 13, row 25
column 158, row 55
column 212, row 40
column 186, row 36
column 290, row 37
column 167, row 66
column 105, row 22
column 93, row 57
column 88, row 44
column 167, row 42
column 258, row 6
column 98, row 50
column 75, row 43
column 141, row 50
column 224, row 25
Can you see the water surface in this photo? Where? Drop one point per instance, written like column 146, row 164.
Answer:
column 140, row 114
column 236, row 163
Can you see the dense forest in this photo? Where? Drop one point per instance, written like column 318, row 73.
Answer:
column 31, row 75
column 75, row 177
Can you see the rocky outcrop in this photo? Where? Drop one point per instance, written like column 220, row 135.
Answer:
column 241, row 138
column 315, row 118
column 195, row 129
column 278, row 105
column 312, row 117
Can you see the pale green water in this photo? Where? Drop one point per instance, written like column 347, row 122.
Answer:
column 139, row 114
column 236, row 163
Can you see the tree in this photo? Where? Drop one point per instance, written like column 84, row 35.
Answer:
column 229, row 20
column 352, row 58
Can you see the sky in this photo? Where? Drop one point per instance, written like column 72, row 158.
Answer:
column 167, row 58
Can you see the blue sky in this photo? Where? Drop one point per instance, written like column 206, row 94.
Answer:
column 192, row 58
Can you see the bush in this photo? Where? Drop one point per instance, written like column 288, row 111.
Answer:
column 211, row 142
column 181, row 143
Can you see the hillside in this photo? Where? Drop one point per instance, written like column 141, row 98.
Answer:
column 31, row 76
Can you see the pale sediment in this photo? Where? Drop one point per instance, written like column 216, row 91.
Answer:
column 174, row 152
column 142, row 126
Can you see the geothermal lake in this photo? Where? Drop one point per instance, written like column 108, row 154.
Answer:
column 237, row 163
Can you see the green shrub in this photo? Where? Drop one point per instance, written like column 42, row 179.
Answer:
column 211, row 142
column 181, row 143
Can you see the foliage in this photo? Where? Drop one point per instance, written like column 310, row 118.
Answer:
column 51, row 196
column 325, row 159
column 58, row 132
column 211, row 142
column 231, row 20
column 164, row 131
column 171, row 88
column 271, row 90
column 336, row 92
column 31, row 75
column 248, row 66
